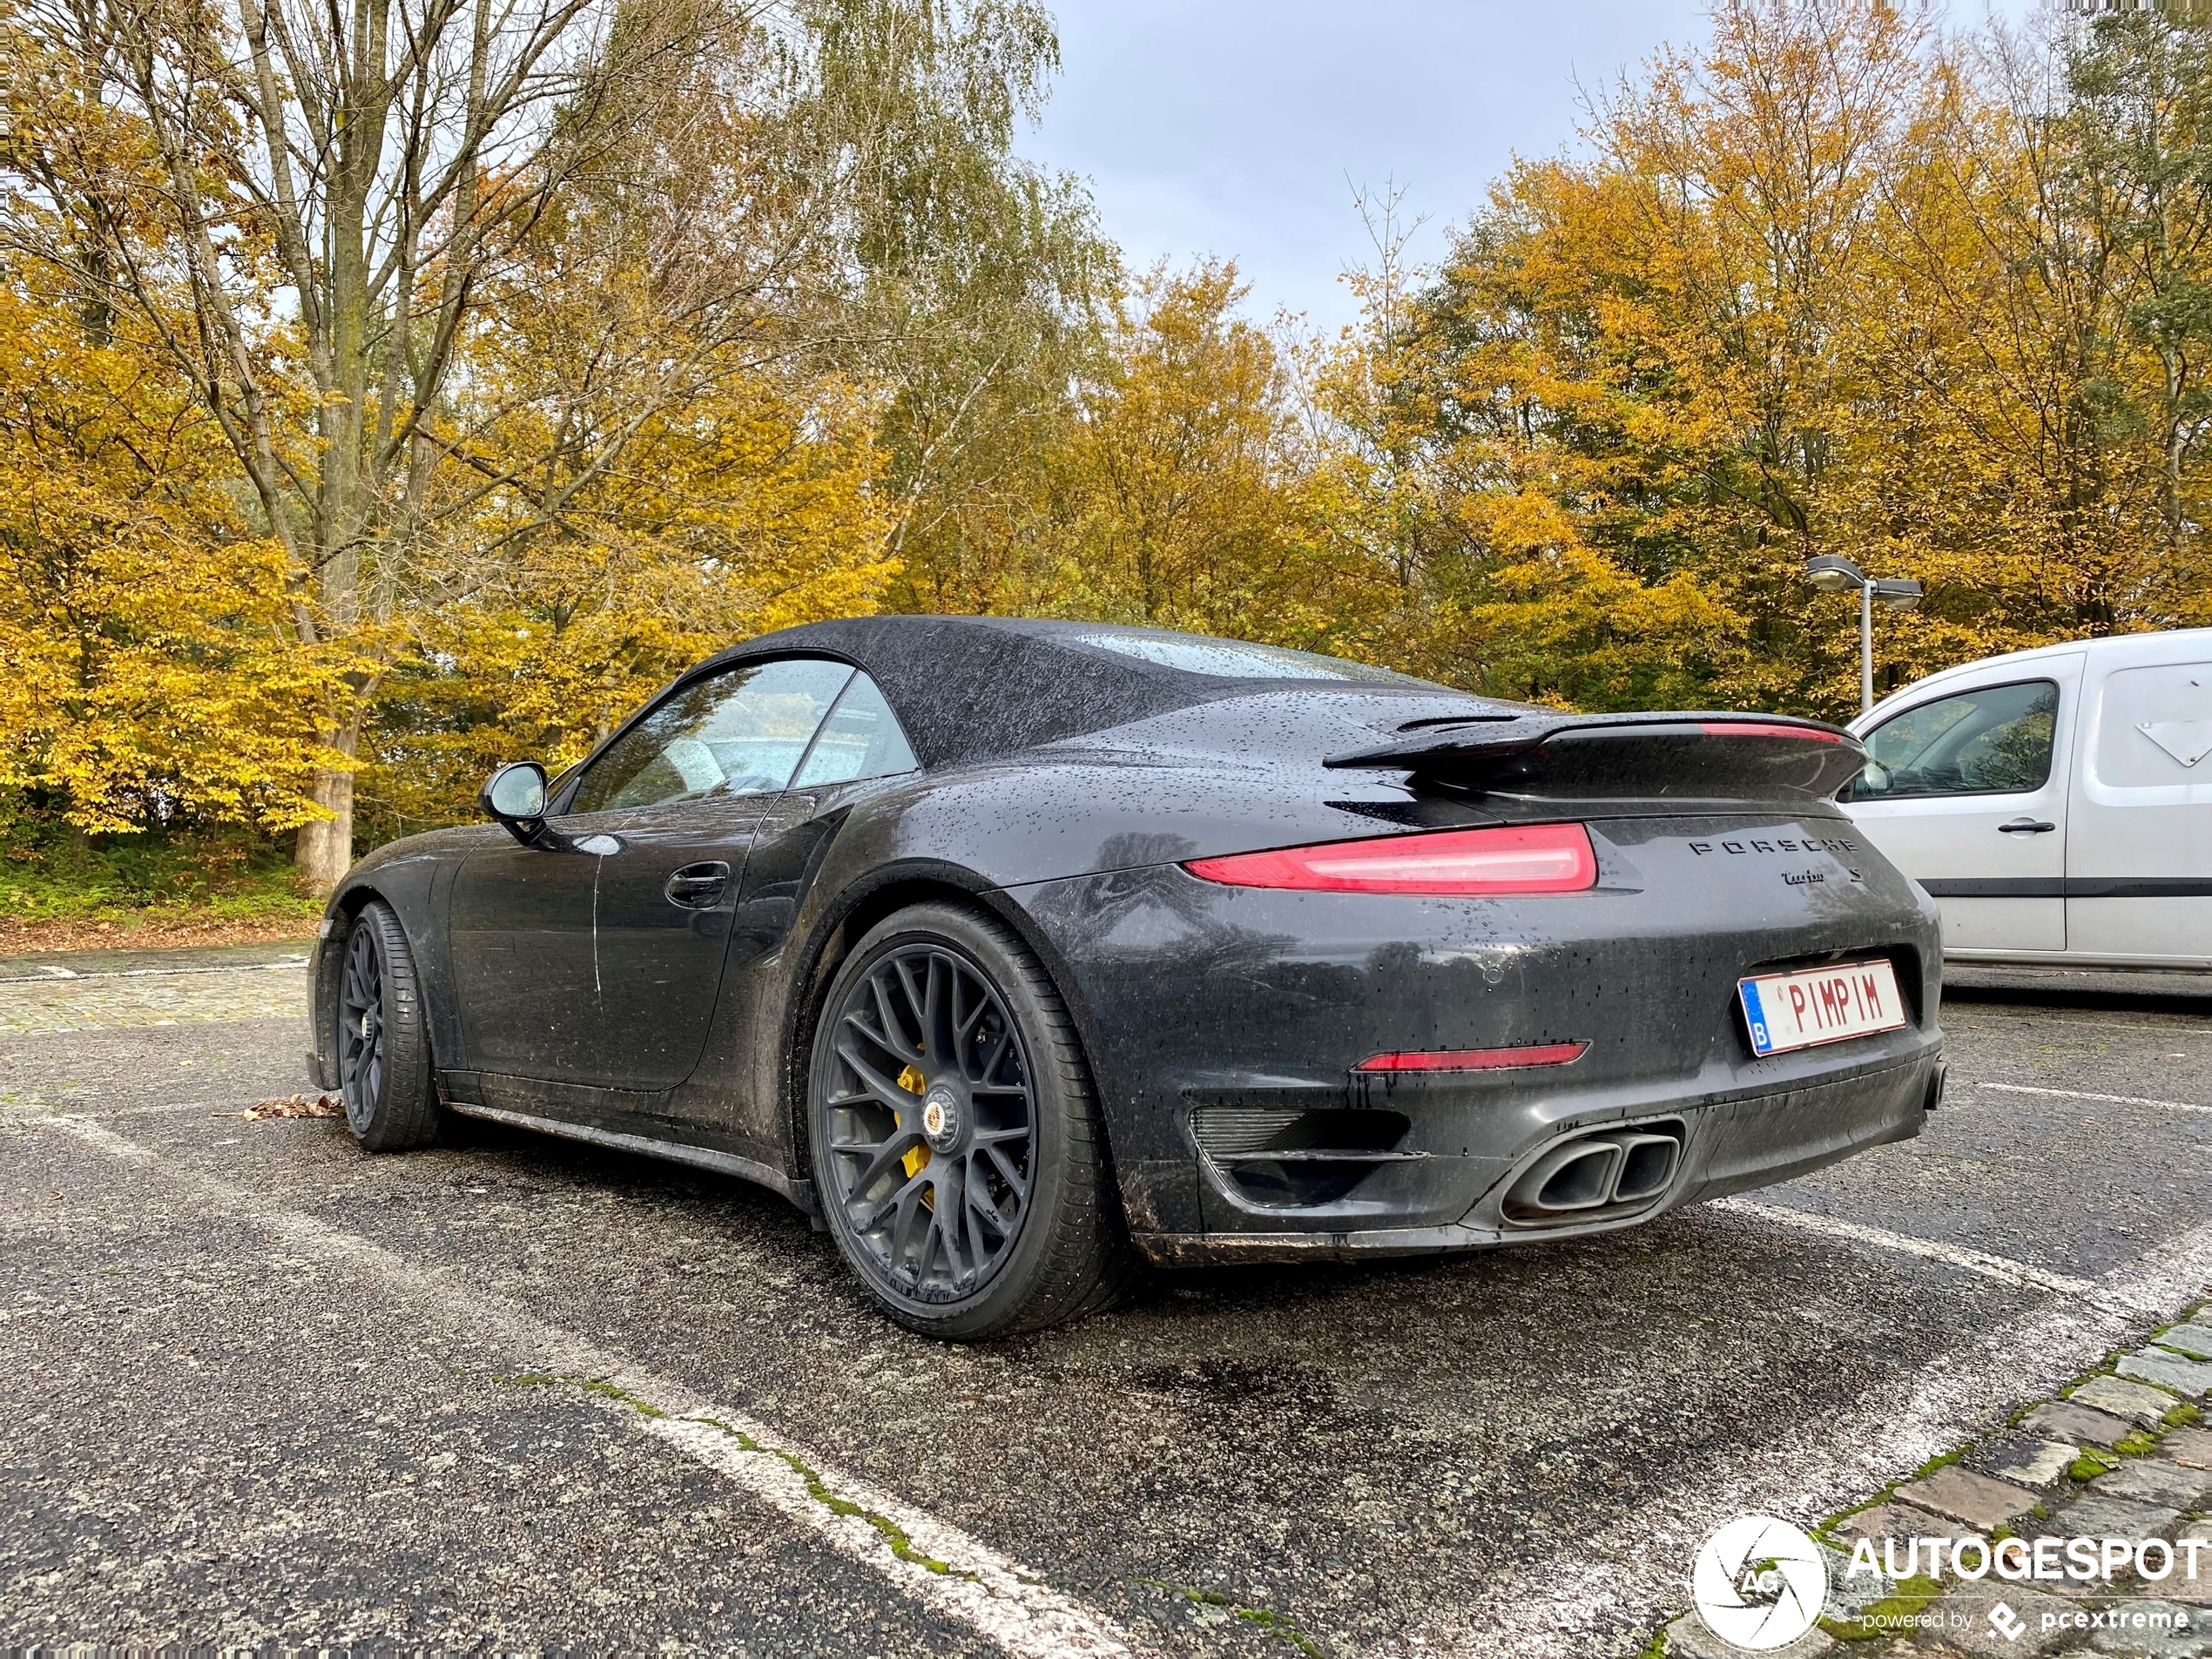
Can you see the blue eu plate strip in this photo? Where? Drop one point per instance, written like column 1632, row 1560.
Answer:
column 1755, row 1011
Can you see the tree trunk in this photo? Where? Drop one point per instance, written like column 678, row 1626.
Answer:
column 325, row 847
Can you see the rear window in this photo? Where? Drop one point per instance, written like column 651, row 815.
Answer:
column 861, row 738
column 1233, row 659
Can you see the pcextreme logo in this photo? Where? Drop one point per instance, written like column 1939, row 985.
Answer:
column 1758, row 1583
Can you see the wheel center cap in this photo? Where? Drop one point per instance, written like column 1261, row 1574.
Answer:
column 940, row 1116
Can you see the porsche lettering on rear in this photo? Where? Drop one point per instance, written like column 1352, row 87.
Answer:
column 1778, row 844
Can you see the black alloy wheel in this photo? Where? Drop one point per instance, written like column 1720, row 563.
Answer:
column 932, row 1125
column 382, row 1048
column 360, row 1027
column 955, row 1141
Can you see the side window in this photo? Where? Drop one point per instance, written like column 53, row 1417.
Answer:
column 1994, row 741
column 738, row 732
column 861, row 738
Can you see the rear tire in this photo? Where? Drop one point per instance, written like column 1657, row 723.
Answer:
column 382, row 1038
column 955, row 1136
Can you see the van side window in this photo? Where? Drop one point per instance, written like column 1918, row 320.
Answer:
column 1992, row 741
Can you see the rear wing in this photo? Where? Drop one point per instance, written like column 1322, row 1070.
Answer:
column 1587, row 757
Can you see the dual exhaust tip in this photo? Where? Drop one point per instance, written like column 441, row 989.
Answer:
column 1619, row 1170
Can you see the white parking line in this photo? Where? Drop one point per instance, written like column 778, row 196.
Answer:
column 2111, row 1100
column 2001, row 1268
column 1812, row 1466
column 929, row 1559
column 52, row 975
column 2062, row 1018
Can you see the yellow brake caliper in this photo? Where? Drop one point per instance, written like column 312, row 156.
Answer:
column 917, row 1159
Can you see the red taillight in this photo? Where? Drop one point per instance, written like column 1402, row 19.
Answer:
column 1544, row 1053
column 1478, row 863
column 1752, row 729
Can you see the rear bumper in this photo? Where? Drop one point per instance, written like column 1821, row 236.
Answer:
column 1224, row 1024
column 1731, row 1144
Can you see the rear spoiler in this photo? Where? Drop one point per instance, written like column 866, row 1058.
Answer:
column 1693, row 756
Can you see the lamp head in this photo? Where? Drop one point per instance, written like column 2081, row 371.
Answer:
column 1831, row 573
column 1898, row 593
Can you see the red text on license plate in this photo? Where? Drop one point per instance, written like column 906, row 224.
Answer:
column 1786, row 1011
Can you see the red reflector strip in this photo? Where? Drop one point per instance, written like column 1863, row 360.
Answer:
column 1480, row 863
column 1547, row 1054
column 1753, row 729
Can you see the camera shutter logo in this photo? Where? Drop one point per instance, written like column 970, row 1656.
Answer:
column 1759, row 1583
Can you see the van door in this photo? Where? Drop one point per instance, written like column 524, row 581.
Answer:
column 1966, row 794
column 2139, row 852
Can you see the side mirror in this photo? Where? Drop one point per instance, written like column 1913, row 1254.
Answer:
column 515, row 796
column 1874, row 779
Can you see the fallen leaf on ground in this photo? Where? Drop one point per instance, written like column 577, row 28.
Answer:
column 146, row 930
column 294, row 1106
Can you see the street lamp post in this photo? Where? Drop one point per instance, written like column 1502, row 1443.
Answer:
column 1832, row 573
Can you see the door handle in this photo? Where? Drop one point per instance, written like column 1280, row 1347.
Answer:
column 2024, row 826
column 698, row 885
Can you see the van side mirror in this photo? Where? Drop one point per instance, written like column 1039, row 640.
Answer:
column 515, row 796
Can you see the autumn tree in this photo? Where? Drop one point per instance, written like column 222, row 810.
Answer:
column 144, row 682
column 985, row 291
column 1834, row 283
column 2106, row 239
column 436, row 268
column 307, row 207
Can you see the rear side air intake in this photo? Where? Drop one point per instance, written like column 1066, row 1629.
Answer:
column 1588, row 1177
column 1290, row 1158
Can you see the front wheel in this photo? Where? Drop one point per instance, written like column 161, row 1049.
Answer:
column 383, row 1044
column 955, row 1136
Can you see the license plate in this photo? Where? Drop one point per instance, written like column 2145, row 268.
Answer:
column 1787, row 1011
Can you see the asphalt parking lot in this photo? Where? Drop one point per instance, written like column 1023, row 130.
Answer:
column 259, row 1388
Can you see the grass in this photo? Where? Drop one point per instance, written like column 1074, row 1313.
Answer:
column 61, row 892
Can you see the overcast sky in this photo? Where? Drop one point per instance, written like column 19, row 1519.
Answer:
column 1231, row 127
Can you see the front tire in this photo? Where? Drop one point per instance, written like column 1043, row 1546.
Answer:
column 956, row 1142
column 382, row 1041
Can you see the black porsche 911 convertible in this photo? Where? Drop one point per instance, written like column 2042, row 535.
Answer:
column 1018, row 954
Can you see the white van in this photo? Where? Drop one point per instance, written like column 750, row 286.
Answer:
column 2053, row 801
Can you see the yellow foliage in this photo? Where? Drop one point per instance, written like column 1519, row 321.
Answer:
column 745, row 509
column 1803, row 294
column 144, row 676
column 1832, row 283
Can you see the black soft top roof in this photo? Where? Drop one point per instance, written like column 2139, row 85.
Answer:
column 972, row 688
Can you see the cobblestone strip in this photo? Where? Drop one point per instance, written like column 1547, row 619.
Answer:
column 2121, row 1459
column 259, row 992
